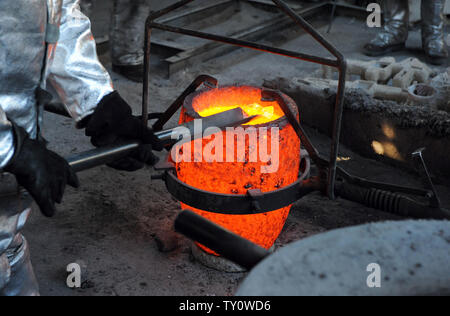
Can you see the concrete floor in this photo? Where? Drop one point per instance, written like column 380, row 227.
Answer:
column 113, row 221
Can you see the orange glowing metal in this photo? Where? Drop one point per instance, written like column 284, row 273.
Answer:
column 247, row 98
column 238, row 177
column 266, row 114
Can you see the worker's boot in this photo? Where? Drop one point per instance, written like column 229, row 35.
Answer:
column 392, row 37
column 433, row 31
column 16, row 273
column 127, row 38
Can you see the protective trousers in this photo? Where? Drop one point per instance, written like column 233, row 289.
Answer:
column 16, row 272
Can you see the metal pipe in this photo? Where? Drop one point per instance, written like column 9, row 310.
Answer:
column 229, row 245
column 100, row 156
column 107, row 154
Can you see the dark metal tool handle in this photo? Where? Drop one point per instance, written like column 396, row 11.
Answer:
column 103, row 155
column 390, row 202
column 100, row 156
column 227, row 244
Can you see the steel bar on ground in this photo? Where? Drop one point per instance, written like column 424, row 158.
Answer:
column 229, row 245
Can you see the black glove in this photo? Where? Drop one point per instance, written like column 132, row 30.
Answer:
column 112, row 122
column 42, row 172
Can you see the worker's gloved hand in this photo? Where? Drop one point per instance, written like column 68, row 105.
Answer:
column 41, row 172
column 113, row 122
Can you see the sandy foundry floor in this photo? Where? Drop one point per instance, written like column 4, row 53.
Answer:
column 113, row 221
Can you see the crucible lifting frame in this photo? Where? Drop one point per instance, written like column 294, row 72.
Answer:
column 339, row 63
column 256, row 201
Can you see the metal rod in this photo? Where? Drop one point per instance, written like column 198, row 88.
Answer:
column 104, row 155
column 147, row 47
column 100, row 156
column 145, row 84
column 164, row 11
column 435, row 201
column 381, row 185
column 229, row 245
column 269, row 95
column 339, row 107
column 246, row 44
column 309, row 29
column 337, row 126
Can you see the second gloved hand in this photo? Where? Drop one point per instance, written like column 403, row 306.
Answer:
column 43, row 173
column 113, row 122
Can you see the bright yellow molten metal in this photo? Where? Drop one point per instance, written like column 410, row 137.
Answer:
column 266, row 114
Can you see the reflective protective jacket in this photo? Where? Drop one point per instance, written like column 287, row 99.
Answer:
column 45, row 45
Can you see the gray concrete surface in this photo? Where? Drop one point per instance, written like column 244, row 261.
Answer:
column 113, row 221
column 411, row 257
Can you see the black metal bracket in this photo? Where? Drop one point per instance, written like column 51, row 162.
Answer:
column 253, row 202
column 206, row 80
column 239, row 204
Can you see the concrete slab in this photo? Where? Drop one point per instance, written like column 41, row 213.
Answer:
column 393, row 258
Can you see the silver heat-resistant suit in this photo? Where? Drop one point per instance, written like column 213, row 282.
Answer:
column 44, row 45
